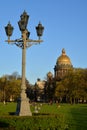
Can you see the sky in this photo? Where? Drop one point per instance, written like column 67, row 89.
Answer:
column 65, row 26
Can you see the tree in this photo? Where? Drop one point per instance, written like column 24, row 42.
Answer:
column 73, row 86
column 3, row 84
column 60, row 91
column 9, row 88
column 13, row 89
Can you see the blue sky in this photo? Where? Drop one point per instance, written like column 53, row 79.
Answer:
column 65, row 23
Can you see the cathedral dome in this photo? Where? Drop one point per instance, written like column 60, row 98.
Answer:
column 49, row 74
column 63, row 59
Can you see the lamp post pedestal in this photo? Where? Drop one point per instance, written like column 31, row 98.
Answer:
column 23, row 107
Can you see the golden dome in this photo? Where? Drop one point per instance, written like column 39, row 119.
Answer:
column 63, row 59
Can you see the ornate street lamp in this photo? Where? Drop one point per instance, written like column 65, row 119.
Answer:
column 23, row 106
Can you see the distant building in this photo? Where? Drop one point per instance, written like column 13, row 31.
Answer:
column 39, row 90
column 49, row 76
column 40, row 84
column 63, row 65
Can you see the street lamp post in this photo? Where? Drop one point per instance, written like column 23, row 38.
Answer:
column 23, row 105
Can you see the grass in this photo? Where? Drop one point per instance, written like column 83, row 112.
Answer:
column 6, row 109
column 67, row 116
column 74, row 116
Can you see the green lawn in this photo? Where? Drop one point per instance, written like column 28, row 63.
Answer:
column 50, row 117
column 7, row 108
column 74, row 116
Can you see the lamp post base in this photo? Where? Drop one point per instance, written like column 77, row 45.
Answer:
column 23, row 107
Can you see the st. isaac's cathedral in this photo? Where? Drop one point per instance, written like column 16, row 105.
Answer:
column 63, row 65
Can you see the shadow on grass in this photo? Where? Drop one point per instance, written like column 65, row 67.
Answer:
column 11, row 113
column 40, row 114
